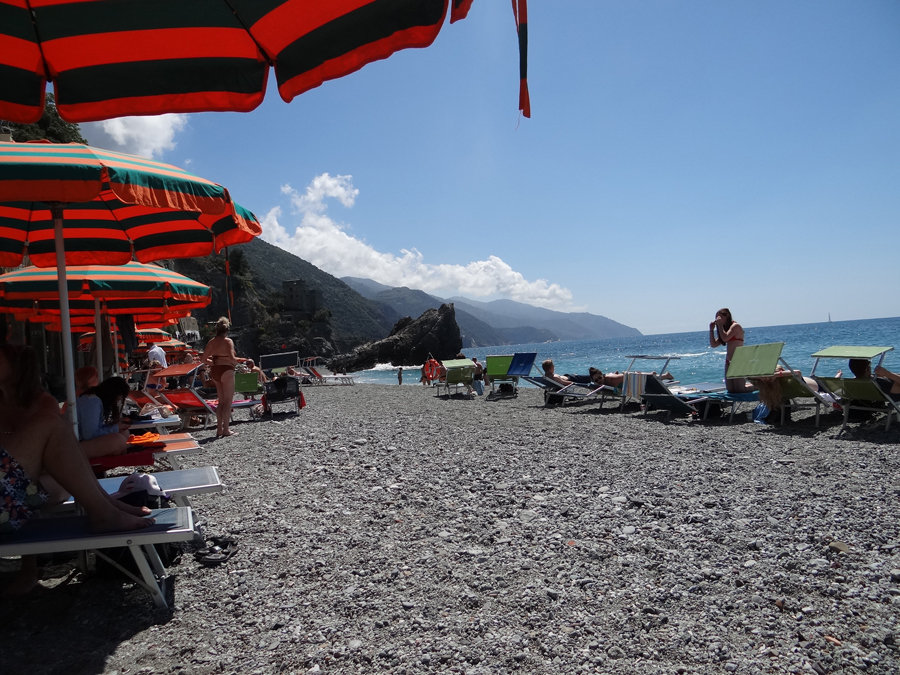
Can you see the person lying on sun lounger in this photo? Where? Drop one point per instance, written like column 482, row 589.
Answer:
column 887, row 381
column 595, row 376
column 42, row 462
column 770, row 391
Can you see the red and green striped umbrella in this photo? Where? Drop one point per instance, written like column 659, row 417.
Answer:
column 86, row 314
column 117, row 208
column 104, row 282
column 169, row 347
column 145, row 335
column 112, row 58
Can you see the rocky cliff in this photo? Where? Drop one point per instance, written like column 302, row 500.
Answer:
column 410, row 343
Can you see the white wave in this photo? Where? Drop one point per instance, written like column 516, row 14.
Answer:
column 388, row 366
column 689, row 356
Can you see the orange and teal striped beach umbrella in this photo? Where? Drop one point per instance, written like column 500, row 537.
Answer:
column 118, row 208
column 145, row 335
column 104, row 282
column 110, row 58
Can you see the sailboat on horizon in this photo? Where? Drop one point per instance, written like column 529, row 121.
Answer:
column 829, row 317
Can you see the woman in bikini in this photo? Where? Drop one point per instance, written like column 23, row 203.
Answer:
column 41, row 462
column 221, row 358
column 726, row 331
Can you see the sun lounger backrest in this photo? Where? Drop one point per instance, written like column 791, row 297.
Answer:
column 282, row 389
column 522, row 363
column 791, row 388
column 282, row 360
column 185, row 399
column 755, row 360
column 654, row 385
column 460, row 375
column 833, row 385
column 497, row 366
column 141, row 398
column 246, row 383
column 864, row 390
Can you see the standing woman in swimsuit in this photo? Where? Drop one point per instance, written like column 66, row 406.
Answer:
column 726, row 331
column 221, row 358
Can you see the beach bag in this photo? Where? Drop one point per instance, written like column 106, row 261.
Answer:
column 138, row 489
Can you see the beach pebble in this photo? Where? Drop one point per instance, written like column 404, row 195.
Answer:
column 657, row 545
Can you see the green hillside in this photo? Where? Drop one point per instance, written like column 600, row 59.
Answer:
column 257, row 270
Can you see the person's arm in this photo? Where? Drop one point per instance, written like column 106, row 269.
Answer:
column 206, row 357
column 714, row 340
column 888, row 375
column 559, row 379
column 736, row 331
column 234, row 356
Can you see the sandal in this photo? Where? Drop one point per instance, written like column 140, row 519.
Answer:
column 222, row 549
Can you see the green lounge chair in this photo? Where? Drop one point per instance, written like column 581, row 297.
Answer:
column 509, row 368
column 247, row 383
column 496, row 371
column 854, row 393
column 762, row 361
column 459, row 372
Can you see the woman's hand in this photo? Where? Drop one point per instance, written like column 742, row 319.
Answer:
column 712, row 324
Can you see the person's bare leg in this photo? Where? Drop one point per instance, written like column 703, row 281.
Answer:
column 62, row 458
column 225, row 399
column 219, row 389
column 46, row 445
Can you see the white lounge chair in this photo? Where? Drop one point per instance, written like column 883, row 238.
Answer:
column 71, row 533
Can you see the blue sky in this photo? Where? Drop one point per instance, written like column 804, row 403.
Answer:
column 682, row 156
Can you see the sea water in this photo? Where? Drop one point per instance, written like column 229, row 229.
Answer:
column 696, row 361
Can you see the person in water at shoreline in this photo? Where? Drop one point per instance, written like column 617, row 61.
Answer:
column 42, row 463
column 726, row 331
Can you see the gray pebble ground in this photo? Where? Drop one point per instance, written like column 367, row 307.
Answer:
column 386, row 530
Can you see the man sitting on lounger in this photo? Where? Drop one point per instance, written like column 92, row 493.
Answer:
column 887, row 381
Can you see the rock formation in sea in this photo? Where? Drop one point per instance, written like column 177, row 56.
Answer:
column 410, row 342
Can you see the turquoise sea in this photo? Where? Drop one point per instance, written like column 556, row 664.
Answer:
column 697, row 362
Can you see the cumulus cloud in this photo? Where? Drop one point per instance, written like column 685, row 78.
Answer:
column 146, row 136
column 316, row 237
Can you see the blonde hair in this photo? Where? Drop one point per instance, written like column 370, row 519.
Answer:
column 547, row 365
column 222, row 325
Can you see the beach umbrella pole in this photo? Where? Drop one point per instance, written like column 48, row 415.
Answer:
column 98, row 345
column 66, row 338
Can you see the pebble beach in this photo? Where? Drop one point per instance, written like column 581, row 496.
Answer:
column 385, row 529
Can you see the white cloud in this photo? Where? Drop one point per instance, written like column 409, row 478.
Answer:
column 146, row 136
column 323, row 242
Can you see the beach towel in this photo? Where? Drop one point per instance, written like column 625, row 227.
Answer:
column 634, row 385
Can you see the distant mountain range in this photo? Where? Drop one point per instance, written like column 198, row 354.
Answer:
column 497, row 322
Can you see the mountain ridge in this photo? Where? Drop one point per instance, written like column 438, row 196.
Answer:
column 509, row 319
